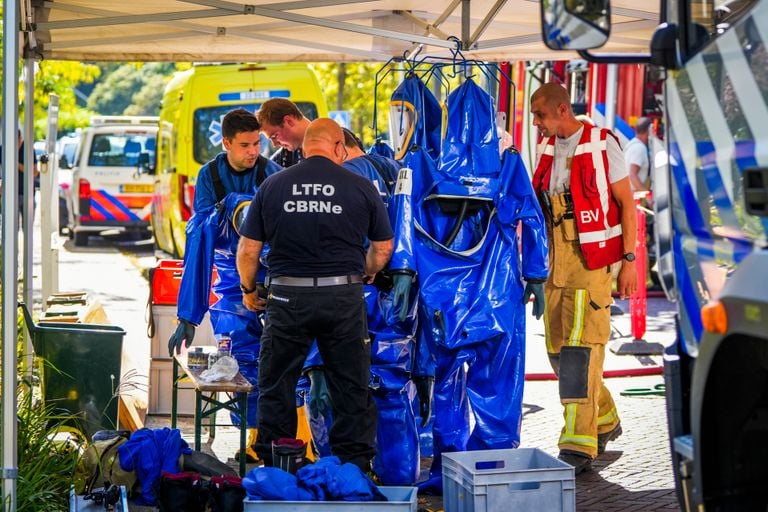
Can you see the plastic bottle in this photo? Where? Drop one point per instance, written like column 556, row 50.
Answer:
column 223, row 348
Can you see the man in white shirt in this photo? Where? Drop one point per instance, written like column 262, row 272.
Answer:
column 637, row 156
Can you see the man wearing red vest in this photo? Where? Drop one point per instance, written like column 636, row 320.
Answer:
column 582, row 183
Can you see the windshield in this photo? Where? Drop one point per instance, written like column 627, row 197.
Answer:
column 121, row 149
column 206, row 127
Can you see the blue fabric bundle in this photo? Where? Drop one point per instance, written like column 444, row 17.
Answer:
column 149, row 453
column 326, row 480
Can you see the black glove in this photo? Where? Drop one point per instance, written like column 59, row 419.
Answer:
column 319, row 396
column 185, row 333
column 425, row 386
column 400, row 295
column 537, row 290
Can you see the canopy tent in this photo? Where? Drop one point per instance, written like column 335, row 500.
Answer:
column 261, row 31
column 308, row 30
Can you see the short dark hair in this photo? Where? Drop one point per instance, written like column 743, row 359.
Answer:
column 643, row 124
column 237, row 121
column 274, row 110
column 352, row 140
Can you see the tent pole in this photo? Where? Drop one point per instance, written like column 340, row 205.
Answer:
column 10, row 122
column 28, row 221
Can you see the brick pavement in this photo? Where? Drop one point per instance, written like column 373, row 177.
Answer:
column 634, row 474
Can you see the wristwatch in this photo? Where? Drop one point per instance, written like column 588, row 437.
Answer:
column 247, row 291
column 629, row 256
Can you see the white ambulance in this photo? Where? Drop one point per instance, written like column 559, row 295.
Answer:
column 112, row 180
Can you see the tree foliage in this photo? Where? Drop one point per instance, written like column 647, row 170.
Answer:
column 60, row 78
column 133, row 88
column 359, row 92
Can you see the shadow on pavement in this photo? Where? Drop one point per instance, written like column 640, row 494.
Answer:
column 596, row 494
column 124, row 243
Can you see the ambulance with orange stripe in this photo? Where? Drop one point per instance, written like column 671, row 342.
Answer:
column 112, row 182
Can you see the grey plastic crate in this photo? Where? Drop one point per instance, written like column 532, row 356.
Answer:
column 500, row 480
column 401, row 499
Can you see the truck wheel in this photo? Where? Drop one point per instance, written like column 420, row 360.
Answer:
column 81, row 238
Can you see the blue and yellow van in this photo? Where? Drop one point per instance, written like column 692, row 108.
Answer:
column 189, row 135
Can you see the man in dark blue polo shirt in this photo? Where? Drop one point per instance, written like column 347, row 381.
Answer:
column 316, row 216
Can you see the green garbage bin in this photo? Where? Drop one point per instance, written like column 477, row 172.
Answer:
column 82, row 369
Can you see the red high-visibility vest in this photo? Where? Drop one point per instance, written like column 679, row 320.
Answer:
column 598, row 216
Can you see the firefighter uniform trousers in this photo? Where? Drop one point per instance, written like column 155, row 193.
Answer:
column 577, row 320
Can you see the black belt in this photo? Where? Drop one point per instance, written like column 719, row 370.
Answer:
column 314, row 281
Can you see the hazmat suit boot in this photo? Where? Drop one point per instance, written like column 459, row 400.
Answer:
column 180, row 492
column 226, row 494
column 250, row 454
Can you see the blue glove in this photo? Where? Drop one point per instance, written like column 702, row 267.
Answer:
column 319, row 396
column 425, row 387
column 401, row 289
column 185, row 333
column 537, row 290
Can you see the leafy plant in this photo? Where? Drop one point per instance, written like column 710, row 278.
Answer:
column 47, row 455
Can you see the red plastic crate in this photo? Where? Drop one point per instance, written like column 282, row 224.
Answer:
column 166, row 281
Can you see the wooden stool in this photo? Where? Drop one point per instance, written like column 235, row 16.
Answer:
column 207, row 404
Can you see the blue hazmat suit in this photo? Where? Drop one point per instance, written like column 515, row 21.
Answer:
column 393, row 353
column 392, row 358
column 459, row 231
column 416, row 119
column 212, row 239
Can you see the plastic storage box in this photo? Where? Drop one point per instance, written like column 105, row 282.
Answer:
column 493, row 480
column 161, row 390
column 165, row 282
column 401, row 499
column 164, row 323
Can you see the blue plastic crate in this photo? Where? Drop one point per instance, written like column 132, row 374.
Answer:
column 495, row 480
column 401, row 499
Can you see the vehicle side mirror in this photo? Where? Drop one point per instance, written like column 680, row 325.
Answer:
column 575, row 24
column 145, row 164
column 665, row 48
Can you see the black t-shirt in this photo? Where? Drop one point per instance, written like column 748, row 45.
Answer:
column 316, row 216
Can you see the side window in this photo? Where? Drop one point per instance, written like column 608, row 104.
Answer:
column 166, row 148
column 710, row 18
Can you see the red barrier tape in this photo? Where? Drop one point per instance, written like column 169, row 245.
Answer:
column 608, row 374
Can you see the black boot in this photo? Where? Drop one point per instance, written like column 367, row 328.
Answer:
column 289, row 454
column 226, row 494
column 180, row 492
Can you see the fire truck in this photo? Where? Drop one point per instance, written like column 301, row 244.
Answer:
column 711, row 202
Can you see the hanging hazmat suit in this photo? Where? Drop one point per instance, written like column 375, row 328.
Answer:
column 392, row 334
column 462, row 241
column 416, row 121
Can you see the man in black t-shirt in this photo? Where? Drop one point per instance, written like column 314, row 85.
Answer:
column 316, row 216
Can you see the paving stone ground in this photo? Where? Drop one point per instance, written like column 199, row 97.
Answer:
column 634, row 474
